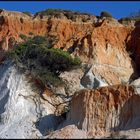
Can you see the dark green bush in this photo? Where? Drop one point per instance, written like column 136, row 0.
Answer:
column 58, row 13
column 125, row 20
column 48, row 12
column 31, row 33
column 27, row 13
column 43, row 61
column 42, row 41
column 22, row 36
column 135, row 16
column 1, row 10
column 105, row 14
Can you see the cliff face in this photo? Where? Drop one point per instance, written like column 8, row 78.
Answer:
column 109, row 52
column 13, row 24
column 91, row 109
column 103, row 112
column 133, row 42
column 83, row 39
column 23, row 112
column 102, row 43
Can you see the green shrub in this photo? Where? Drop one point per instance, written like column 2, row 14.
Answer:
column 22, row 36
column 135, row 16
column 27, row 13
column 56, row 60
column 42, row 60
column 125, row 20
column 58, row 13
column 46, row 76
column 48, row 12
column 31, row 33
column 105, row 14
column 42, row 41
column 1, row 10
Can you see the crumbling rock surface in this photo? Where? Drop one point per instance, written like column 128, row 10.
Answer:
column 103, row 45
column 105, row 110
column 99, row 106
column 23, row 113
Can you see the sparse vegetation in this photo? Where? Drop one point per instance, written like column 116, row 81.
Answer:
column 125, row 20
column 27, row 13
column 135, row 16
column 49, row 12
column 58, row 11
column 132, row 17
column 22, row 36
column 67, row 13
column 31, row 33
column 44, row 62
column 1, row 10
column 105, row 14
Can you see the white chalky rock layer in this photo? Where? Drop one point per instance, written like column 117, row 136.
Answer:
column 20, row 106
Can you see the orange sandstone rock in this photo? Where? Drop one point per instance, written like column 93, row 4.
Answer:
column 102, row 44
column 104, row 109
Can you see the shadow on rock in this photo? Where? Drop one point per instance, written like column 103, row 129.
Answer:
column 48, row 123
column 133, row 50
column 129, row 117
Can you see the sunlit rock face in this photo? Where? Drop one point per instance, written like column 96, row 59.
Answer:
column 102, row 99
column 101, row 43
column 101, row 105
column 111, row 111
column 24, row 114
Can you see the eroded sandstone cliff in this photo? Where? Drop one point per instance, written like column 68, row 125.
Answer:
column 100, row 42
column 101, row 112
column 109, row 52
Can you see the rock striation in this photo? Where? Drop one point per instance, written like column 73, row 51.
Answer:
column 104, row 111
column 23, row 113
column 104, row 91
column 100, row 42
